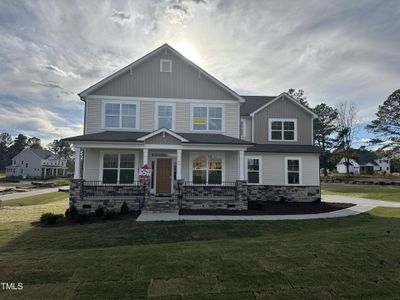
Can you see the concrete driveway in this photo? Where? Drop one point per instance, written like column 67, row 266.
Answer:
column 19, row 195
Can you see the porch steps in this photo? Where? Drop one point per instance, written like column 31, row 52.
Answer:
column 161, row 204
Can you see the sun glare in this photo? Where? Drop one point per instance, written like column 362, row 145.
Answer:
column 189, row 52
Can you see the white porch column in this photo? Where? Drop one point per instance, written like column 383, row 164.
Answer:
column 145, row 156
column 241, row 165
column 178, row 164
column 77, row 172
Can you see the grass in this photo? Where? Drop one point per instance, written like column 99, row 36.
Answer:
column 2, row 175
column 377, row 192
column 62, row 181
column 37, row 200
column 385, row 212
column 352, row 257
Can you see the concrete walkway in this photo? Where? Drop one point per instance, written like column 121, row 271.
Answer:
column 362, row 205
column 19, row 195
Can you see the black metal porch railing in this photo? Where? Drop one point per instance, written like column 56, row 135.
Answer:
column 226, row 189
column 98, row 189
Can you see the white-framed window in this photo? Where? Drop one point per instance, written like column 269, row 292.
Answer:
column 207, row 168
column 207, row 117
column 165, row 116
column 165, row 65
column 242, row 127
column 117, row 168
column 253, row 169
column 120, row 114
column 282, row 129
column 293, row 171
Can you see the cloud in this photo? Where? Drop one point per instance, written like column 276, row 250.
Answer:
column 120, row 17
column 56, row 70
column 53, row 85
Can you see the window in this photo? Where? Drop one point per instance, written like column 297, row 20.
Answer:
column 282, row 130
column 165, row 65
column 242, row 128
column 207, row 169
column 293, row 171
column 165, row 116
column 120, row 115
column 118, row 168
column 26, row 165
column 209, row 118
column 253, row 170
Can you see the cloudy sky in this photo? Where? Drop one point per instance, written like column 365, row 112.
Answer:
column 334, row 50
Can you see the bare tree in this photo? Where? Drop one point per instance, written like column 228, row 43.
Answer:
column 346, row 132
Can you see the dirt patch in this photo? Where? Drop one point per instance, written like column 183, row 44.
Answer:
column 273, row 208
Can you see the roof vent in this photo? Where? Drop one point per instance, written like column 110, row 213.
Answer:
column 165, row 65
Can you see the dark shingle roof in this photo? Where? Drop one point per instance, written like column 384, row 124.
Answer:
column 366, row 158
column 42, row 153
column 284, row 148
column 132, row 136
column 253, row 103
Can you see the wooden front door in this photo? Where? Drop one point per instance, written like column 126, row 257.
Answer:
column 163, row 177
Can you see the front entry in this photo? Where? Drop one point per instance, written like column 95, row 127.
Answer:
column 163, row 177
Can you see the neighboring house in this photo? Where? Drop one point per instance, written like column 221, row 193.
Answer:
column 197, row 135
column 364, row 165
column 36, row 163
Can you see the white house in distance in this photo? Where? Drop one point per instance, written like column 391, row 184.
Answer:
column 364, row 165
column 36, row 163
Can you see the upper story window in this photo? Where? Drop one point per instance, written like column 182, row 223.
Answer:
column 242, row 128
column 282, row 129
column 120, row 115
column 165, row 116
column 207, row 117
column 165, row 65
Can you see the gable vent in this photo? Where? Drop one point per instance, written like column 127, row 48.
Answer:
column 165, row 65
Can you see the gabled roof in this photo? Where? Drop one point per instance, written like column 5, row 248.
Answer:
column 253, row 103
column 280, row 148
column 162, row 130
column 42, row 153
column 132, row 136
column 288, row 97
column 164, row 47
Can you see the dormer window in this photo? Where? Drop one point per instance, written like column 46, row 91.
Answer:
column 165, row 65
column 282, row 130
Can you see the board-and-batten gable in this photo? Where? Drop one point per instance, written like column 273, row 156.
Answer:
column 283, row 108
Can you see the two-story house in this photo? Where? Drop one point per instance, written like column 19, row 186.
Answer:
column 166, row 112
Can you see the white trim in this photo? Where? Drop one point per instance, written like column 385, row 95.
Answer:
column 300, row 170
column 103, row 113
column 158, row 99
column 161, row 130
column 242, row 176
column 270, row 120
column 252, row 129
column 243, row 127
column 259, row 168
column 290, row 98
column 77, row 166
column 193, row 105
column 312, row 131
column 166, row 61
column 119, row 152
column 173, row 117
column 147, row 56
column 221, row 154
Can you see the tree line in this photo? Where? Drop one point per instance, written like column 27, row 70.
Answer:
column 11, row 146
column 336, row 127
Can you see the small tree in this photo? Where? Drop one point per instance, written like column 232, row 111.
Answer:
column 299, row 96
column 34, row 143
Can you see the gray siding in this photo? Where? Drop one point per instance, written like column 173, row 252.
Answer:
column 147, row 81
column 91, row 164
column 273, row 168
column 160, row 139
column 34, row 164
column 283, row 108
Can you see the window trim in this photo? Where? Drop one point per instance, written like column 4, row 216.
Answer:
column 243, row 127
column 300, row 170
column 259, row 171
column 103, row 119
column 270, row 120
column 119, row 152
column 192, row 106
column 191, row 158
column 157, row 105
column 170, row 65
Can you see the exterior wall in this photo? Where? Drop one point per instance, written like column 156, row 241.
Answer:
column 147, row 81
column 354, row 168
column 34, row 164
column 247, row 136
column 273, row 167
column 91, row 165
column 283, row 108
column 259, row 194
column 94, row 117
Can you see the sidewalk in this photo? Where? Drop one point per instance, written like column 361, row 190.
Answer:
column 19, row 195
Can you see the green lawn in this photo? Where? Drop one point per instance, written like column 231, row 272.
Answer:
column 378, row 192
column 314, row 259
column 36, row 200
column 2, row 174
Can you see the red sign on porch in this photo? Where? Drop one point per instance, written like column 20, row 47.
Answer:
column 145, row 173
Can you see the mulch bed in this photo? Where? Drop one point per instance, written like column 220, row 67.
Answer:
column 273, row 208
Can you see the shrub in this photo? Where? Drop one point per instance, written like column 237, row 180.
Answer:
column 99, row 212
column 50, row 218
column 66, row 213
column 124, row 209
column 73, row 212
column 81, row 217
column 109, row 214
